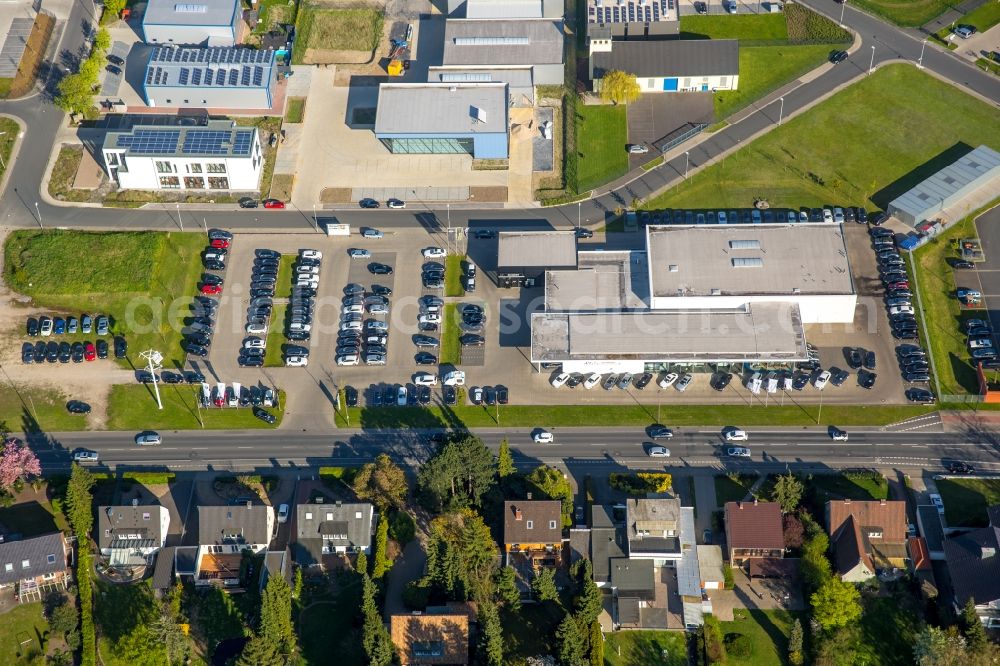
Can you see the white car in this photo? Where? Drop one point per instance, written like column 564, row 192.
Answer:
column 684, row 382
column 658, row 452
column 980, row 343
column 429, row 318
column 901, row 309
column 83, row 456
column 297, row 327
column 838, row 435
column 736, row 435
column 350, row 326
column 821, row 380
column 283, row 513
column 667, row 380
column 827, row 215
column 378, row 308
column 592, row 380
column 433, row 252
column 755, row 382
column 401, row 396
column 347, row 359
column 311, row 254
column 254, row 343
column 256, row 329
column 297, row 361
column 358, row 253
column 937, row 502
column 560, row 379
column 543, row 437
column 353, row 309
column 374, row 359
column 425, row 379
column 454, row 378
column 306, row 270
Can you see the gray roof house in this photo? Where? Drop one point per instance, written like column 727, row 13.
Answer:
column 32, row 566
column 963, row 186
column 974, row 565
column 669, row 65
column 328, row 529
column 224, row 533
column 653, row 528
column 220, row 78
column 129, row 535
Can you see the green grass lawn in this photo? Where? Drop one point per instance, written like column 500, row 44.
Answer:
column 296, row 110
column 813, row 159
column 283, row 283
column 273, row 13
column 358, row 29
column 988, row 65
column 453, row 275
column 743, row 27
column 965, row 500
column 26, row 409
column 889, row 627
column 143, row 280
column 909, row 13
column 645, row 648
column 9, row 131
column 601, row 135
column 133, row 407
column 733, row 490
column 326, row 626
column 6, row 83
column 768, row 633
column 451, row 348
column 983, row 17
column 274, row 354
column 32, row 518
column 839, row 486
column 24, row 622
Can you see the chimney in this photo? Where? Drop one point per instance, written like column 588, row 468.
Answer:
column 339, row 502
column 517, row 514
column 847, row 501
column 881, row 502
column 249, row 504
column 529, row 496
column 740, row 504
column 319, row 499
column 986, row 552
column 755, row 501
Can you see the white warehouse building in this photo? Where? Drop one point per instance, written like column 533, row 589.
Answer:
column 697, row 295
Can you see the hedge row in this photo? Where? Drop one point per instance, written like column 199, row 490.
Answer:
column 83, row 585
column 150, row 477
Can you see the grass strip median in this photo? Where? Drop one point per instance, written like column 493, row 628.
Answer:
column 453, row 275
column 451, row 348
column 133, row 407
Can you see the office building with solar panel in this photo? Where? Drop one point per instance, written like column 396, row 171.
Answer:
column 210, row 78
column 216, row 156
column 195, row 23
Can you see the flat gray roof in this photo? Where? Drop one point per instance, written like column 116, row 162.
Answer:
column 678, row 57
column 703, row 260
column 603, row 280
column 441, row 108
column 631, row 11
column 200, row 13
column 499, row 42
column 218, row 138
column 536, row 249
column 212, row 67
column 515, row 77
column 493, row 9
column 971, row 171
column 764, row 331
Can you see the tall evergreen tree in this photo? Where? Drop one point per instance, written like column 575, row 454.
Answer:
column 259, row 651
column 79, row 501
column 795, row 655
column 589, row 602
column 490, row 635
column 375, row 637
column 972, row 628
column 544, row 585
column 596, row 644
column 276, row 614
column 382, row 562
column 570, row 642
column 507, row 590
column 505, row 461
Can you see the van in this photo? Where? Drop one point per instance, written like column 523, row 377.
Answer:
column 772, row 382
column 755, row 382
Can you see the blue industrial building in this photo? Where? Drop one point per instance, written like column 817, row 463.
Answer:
column 443, row 118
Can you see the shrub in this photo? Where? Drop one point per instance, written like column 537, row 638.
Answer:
column 738, row 645
column 149, row 477
column 416, row 595
column 345, row 474
column 641, row 483
column 402, row 529
column 715, row 648
column 727, row 576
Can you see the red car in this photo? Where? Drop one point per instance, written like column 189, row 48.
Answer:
column 273, row 203
column 89, row 352
column 898, row 285
column 211, row 289
column 219, row 243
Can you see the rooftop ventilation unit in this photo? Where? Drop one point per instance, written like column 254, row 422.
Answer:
column 478, row 115
column 744, row 245
column 716, row 292
column 191, row 9
column 747, row 262
column 672, row 268
column 491, row 41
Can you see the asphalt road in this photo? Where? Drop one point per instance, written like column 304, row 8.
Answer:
column 797, row 448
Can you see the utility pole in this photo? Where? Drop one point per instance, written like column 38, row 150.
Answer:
column 2, row 163
column 39, row 213
column 843, row 6
column 154, row 360
column 781, row 111
column 579, row 206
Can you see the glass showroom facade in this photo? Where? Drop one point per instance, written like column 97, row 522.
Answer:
column 429, row 146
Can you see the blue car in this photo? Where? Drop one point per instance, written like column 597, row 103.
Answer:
column 58, row 326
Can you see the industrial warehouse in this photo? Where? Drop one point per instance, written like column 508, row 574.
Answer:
column 696, row 295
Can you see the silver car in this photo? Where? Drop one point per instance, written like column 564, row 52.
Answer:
column 148, row 438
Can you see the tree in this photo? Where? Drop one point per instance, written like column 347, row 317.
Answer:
column 490, row 635
column 589, row 602
column 383, row 482
column 375, row 637
column 457, row 475
column 79, row 500
column 170, row 635
column 297, row 589
column 596, row 644
column 813, row 564
column 276, row 614
column 17, row 463
column 63, row 618
column 505, row 461
column 793, row 530
column 715, row 646
column 795, row 656
column 140, row 646
column 788, row 491
column 552, row 484
column 259, row 651
column 382, row 561
column 544, row 585
column 836, row 604
column 507, row 591
column 570, row 642
column 114, row 7
column 619, row 87
column 972, row 628
column 102, row 41
column 361, row 565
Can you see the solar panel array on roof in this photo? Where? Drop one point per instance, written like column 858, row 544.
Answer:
column 221, row 67
column 193, row 141
column 632, row 11
column 149, row 142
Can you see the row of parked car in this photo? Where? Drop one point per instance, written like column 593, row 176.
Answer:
column 896, row 283
column 830, row 214
column 46, row 326
column 64, row 352
column 360, row 338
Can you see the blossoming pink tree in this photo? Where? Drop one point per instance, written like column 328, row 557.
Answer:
column 17, row 462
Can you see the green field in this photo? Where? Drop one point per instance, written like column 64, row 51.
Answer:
column 642, row 648
column 358, row 29
column 296, row 110
column 764, row 69
column 814, row 159
column 842, row 486
column 733, row 490
column 743, row 27
column 909, row 13
column 143, row 280
column 983, row 17
column 24, row 622
column 26, row 409
column 768, row 633
column 133, row 407
column 965, row 500
column 601, row 135
column 451, row 348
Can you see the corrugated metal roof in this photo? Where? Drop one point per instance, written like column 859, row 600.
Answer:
column 971, row 171
column 197, row 13
column 545, row 42
column 506, row 9
column 673, row 58
column 536, row 249
column 441, row 108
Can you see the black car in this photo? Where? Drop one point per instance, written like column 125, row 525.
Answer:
column 264, row 415
column 102, row 348
column 958, row 467
column 381, row 290
column 425, row 358
column 701, row 7
column 917, row 376
column 866, row 379
column 855, row 358
column 870, row 360
column 171, row 378
column 862, row 216
column 77, row 407
column 484, row 234
column 247, row 202
column 502, row 394
column 77, row 352
column 266, row 252
column 838, row 56
column 354, row 288
column 574, row 380
column 643, row 381
column 838, row 376
column 117, row 60
column 922, row 396
column 193, row 377
column 39, row 352
column 219, row 234
column 425, row 341
column 27, row 353
column 721, row 381
column 193, row 349
column 905, row 334
column 389, row 395
column 424, row 395
column 489, row 395
column 471, row 340
column 32, row 327
column 52, row 352
column 450, row 395
column 65, row 352
column 963, row 264
column 209, row 278
column 351, row 396
column 368, row 203
column 376, row 268
column 658, row 431
column 198, row 340
column 584, row 233
column 250, row 361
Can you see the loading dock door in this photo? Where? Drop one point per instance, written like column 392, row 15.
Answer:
column 670, row 85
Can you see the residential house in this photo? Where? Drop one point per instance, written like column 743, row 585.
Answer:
column 34, row 565
column 532, row 529
column 325, row 530
column 931, row 530
column 753, row 530
column 131, row 535
column 438, row 639
column 673, row 65
column 920, row 566
column 653, row 529
column 974, row 566
column 633, row 587
column 224, row 534
column 866, row 536
column 710, row 567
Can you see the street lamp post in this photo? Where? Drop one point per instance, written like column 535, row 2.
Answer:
column 39, row 213
column 843, row 6
column 153, row 359
column 781, row 111
column 920, row 60
column 687, row 160
column 2, row 163
column 871, row 66
column 579, row 205
column 180, row 222
column 315, row 219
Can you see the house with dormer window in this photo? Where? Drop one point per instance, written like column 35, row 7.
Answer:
column 131, row 535
column 331, row 529
column 224, row 534
column 34, row 566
